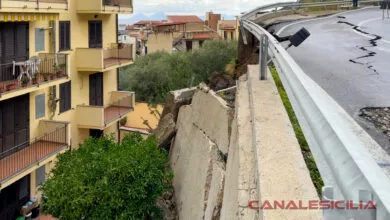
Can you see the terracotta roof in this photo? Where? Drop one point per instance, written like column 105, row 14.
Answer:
column 227, row 24
column 168, row 23
column 208, row 35
column 144, row 22
column 129, row 27
column 184, row 18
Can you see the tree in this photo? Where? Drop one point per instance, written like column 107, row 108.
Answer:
column 154, row 75
column 106, row 180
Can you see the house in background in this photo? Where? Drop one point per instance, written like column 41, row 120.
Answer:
column 212, row 20
column 61, row 89
column 228, row 29
column 122, row 27
column 124, row 38
column 179, row 33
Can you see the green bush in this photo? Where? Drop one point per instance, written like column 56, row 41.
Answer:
column 106, row 180
column 154, row 75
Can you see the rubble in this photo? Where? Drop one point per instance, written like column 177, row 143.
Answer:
column 380, row 117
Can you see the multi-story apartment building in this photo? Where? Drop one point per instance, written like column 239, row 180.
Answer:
column 179, row 33
column 59, row 63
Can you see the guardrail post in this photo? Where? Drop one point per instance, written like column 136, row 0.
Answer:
column 263, row 57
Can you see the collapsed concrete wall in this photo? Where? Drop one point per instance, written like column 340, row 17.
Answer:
column 198, row 154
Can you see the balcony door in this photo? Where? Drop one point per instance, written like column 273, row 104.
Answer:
column 13, row 197
column 14, row 46
column 95, row 34
column 14, row 125
column 96, row 89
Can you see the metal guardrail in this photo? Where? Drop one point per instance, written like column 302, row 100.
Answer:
column 296, row 5
column 337, row 141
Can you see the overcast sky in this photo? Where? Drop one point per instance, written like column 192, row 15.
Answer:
column 157, row 9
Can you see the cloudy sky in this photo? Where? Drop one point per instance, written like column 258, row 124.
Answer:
column 157, row 9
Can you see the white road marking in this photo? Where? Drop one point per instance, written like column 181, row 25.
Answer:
column 369, row 20
column 370, row 36
column 322, row 18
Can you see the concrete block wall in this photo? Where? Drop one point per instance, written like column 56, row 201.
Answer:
column 197, row 156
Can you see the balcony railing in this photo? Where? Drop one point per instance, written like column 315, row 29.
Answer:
column 35, row 4
column 20, row 158
column 105, row 6
column 99, row 117
column 118, row 3
column 101, row 59
column 32, row 73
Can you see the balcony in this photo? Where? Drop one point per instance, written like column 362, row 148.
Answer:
column 101, row 117
column 36, row 73
column 26, row 157
column 34, row 6
column 104, row 59
column 105, row 6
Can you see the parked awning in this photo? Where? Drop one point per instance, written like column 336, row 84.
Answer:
column 15, row 16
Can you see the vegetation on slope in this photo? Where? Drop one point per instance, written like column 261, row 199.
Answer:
column 106, row 180
column 307, row 155
column 154, row 75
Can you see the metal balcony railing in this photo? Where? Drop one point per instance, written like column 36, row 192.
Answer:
column 121, row 104
column 118, row 3
column 117, row 55
column 23, row 156
column 34, row 4
column 98, row 117
column 33, row 72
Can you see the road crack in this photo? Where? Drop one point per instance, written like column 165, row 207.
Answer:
column 369, row 53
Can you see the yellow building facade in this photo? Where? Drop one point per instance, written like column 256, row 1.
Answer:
column 228, row 29
column 59, row 63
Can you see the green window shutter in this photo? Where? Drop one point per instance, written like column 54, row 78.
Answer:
column 39, row 40
column 40, row 106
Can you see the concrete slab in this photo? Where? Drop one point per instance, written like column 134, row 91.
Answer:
column 283, row 175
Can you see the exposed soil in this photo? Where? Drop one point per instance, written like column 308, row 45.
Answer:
column 380, row 117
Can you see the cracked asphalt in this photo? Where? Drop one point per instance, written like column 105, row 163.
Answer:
column 348, row 55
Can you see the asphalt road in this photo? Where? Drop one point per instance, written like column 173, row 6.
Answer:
column 348, row 55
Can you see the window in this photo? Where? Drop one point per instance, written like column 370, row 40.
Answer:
column 65, row 97
column 64, row 35
column 39, row 40
column 225, row 35
column 39, row 106
column 40, row 175
column 95, row 34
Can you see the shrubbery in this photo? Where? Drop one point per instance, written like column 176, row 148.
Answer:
column 154, row 75
column 106, row 180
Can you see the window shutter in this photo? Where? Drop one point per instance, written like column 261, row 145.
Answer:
column 69, row 96
column 99, row 34
column 40, row 106
column 65, row 97
column 68, row 37
column 62, row 98
column 39, row 40
column 40, row 175
column 62, row 35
